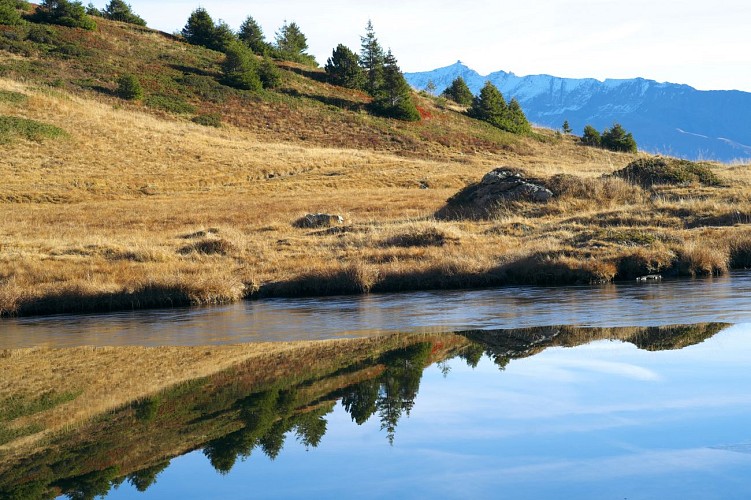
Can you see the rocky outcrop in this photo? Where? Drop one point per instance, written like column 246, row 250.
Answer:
column 319, row 220
column 498, row 186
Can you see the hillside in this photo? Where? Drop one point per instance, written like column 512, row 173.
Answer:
column 665, row 118
column 110, row 204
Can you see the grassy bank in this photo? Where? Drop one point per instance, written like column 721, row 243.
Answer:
column 107, row 204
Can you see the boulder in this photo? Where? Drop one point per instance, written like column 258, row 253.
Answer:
column 319, row 220
column 496, row 187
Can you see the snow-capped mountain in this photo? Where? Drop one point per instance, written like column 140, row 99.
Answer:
column 665, row 118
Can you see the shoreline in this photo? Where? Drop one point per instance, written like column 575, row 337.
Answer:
column 344, row 284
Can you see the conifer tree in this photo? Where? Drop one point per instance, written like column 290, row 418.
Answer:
column 269, row 74
column 459, row 92
column 591, row 137
column 65, row 13
column 223, row 37
column 118, row 10
column 617, row 139
column 252, row 35
column 371, row 60
column 343, row 68
column 240, row 68
column 516, row 121
column 566, row 127
column 291, row 44
column 199, row 30
column 394, row 97
column 489, row 106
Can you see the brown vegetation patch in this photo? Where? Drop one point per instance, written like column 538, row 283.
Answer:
column 209, row 246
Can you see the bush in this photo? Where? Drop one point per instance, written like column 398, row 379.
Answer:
column 168, row 103
column 658, row 170
column 64, row 13
column 270, row 75
column 129, row 87
column 9, row 14
column 208, row 120
column 11, row 127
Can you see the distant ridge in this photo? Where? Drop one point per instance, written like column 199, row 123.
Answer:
column 665, row 118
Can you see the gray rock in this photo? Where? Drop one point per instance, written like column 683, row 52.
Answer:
column 319, row 220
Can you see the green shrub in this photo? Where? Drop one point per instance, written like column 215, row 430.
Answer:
column 172, row 104
column 129, row 87
column 9, row 14
column 42, row 34
column 659, row 170
column 13, row 127
column 269, row 74
column 208, row 119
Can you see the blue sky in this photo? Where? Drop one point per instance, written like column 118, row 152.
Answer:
column 703, row 44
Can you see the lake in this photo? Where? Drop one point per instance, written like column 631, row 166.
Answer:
column 637, row 390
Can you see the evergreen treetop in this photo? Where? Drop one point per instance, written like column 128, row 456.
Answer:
column 394, row 97
column 252, row 35
column 371, row 59
column 240, row 67
column 617, row 139
column 118, row 10
column 291, row 44
column 343, row 68
column 491, row 107
column 459, row 92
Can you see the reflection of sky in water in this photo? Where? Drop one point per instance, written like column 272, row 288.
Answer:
column 606, row 420
column 726, row 299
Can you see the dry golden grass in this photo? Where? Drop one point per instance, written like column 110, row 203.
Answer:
column 132, row 210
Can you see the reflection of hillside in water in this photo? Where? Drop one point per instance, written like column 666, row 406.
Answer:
column 255, row 407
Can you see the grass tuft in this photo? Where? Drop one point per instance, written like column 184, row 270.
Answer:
column 647, row 172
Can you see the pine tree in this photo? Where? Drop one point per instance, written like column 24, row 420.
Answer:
column 516, row 121
column 394, row 97
column 489, row 106
column 617, row 139
column 199, row 30
column 117, row 10
column 291, row 44
column 591, row 137
column 223, row 37
column 459, row 92
column 566, row 127
column 343, row 68
column 65, row 13
column 240, row 68
column 371, row 60
column 252, row 35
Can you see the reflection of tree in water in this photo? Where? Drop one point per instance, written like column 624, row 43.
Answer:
column 267, row 417
column 393, row 393
column 142, row 479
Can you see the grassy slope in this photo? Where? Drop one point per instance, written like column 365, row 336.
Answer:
column 134, row 206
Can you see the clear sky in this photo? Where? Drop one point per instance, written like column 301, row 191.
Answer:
column 701, row 43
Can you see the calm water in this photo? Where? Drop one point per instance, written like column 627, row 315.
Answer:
column 726, row 299
column 492, row 403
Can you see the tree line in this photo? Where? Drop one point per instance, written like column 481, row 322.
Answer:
column 248, row 62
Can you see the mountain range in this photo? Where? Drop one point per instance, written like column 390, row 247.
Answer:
column 665, row 118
